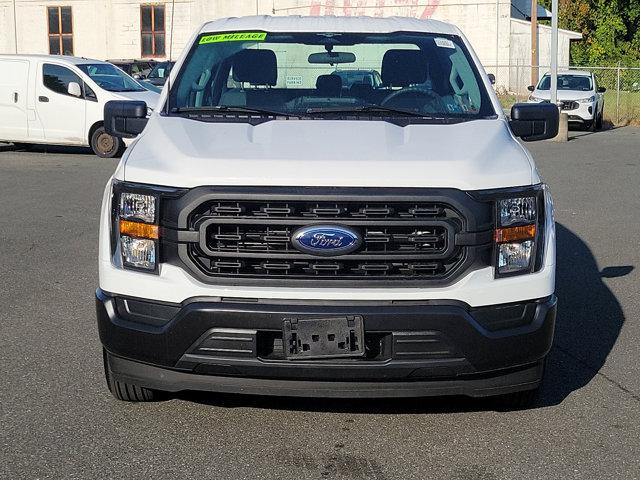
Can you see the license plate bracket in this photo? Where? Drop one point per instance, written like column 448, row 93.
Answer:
column 330, row 337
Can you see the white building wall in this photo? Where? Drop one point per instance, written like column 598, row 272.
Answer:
column 110, row 29
column 520, row 56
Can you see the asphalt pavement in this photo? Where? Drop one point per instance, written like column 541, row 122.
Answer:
column 57, row 419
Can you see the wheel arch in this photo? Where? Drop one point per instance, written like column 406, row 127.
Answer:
column 93, row 128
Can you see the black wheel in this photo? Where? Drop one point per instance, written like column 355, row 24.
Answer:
column 589, row 126
column 516, row 401
column 599, row 121
column 105, row 145
column 126, row 392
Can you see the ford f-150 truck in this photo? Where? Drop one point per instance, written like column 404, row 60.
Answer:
column 271, row 232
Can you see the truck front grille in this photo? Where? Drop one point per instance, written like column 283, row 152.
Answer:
column 402, row 239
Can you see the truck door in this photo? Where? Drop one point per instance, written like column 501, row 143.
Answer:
column 13, row 99
column 61, row 108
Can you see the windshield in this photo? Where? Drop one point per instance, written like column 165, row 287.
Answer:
column 110, row 77
column 161, row 70
column 568, row 82
column 299, row 74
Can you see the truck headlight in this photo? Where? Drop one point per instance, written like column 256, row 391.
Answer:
column 514, row 257
column 136, row 206
column 521, row 210
column 138, row 252
column 533, row 98
column 135, row 228
column 519, row 233
column 587, row 100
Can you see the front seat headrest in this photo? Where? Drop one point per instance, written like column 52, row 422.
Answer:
column 257, row 67
column 329, row 85
column 401, row 68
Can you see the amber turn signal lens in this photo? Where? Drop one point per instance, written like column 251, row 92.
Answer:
column 513, row 234
column 138, row 230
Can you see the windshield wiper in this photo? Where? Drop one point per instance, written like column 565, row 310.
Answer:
column 435, row 117
column 227, row 109
column 368, row 109
column 377, row 109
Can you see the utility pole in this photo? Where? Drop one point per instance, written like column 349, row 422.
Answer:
column 15, row 26
column 534, row 42
column 554, row 52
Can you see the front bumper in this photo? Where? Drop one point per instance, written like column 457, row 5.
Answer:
column 413, row 348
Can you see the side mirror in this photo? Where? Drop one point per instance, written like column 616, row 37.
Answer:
column 531, row 88
column 534, row 121
column 492, row 78
column 74, row 89
column 601, row 89
column 124, row 118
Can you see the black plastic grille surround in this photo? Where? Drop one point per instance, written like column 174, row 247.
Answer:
column 254, row 239
column 238, row 237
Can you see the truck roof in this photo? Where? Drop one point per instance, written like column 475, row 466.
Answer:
column 60, row 58
column 328, row 23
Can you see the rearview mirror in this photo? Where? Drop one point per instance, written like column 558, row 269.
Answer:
column 601, row 89
column 492, row 78
column 124, row 118
column 531, row 88
column 534, row 121
column 332, row 58
column 74, row 89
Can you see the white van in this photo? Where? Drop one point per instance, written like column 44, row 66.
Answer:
column 59, row 100
column 275, row 231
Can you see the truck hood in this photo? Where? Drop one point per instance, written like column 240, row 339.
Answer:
column 474, row 155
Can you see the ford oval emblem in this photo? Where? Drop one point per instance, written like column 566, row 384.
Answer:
column 326, row 240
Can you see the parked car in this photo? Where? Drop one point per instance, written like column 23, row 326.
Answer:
column 138, row 69
column 578, row 95
column 268, row 234
column 160, row 73
column 59, row 100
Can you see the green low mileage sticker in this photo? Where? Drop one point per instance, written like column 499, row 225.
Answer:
column 234, row 37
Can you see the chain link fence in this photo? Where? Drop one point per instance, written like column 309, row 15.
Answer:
column 621, row 100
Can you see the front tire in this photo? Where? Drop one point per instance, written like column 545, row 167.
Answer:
column 599, row 121
column 105, row 145
column 126, row 392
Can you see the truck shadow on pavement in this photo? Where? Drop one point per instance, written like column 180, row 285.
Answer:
column 588, row 324
column 589, row 320
column 38, row 148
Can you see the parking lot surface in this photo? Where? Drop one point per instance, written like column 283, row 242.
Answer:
column 57, row 419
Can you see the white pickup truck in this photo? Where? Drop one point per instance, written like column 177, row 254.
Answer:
column 273, row 232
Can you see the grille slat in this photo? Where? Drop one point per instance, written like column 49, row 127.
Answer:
column 252, row 239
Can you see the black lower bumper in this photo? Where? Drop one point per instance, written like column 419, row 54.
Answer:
column 411, row 348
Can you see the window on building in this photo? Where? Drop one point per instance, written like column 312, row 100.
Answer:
column 58, row 78
column 152, row 28
column 60, row 30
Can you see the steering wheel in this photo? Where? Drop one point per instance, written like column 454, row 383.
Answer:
column 434, row 99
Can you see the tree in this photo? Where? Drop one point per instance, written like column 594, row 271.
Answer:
column 610, row 30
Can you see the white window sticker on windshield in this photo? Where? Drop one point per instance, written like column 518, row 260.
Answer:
column 444, row 43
